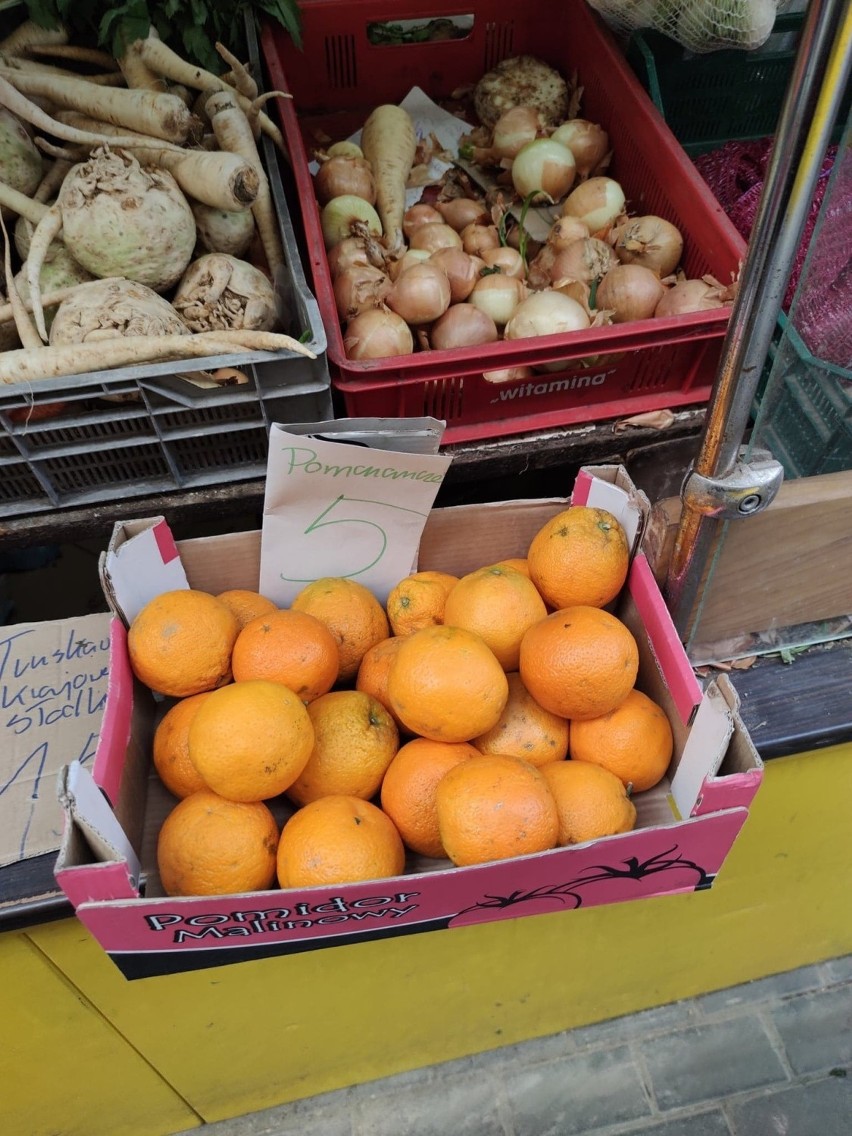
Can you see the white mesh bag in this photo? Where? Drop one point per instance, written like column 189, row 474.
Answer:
column 699, row 25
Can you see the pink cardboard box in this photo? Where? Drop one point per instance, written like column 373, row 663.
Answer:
column 685, row 829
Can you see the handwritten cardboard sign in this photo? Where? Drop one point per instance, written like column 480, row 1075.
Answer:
column 333, row 509
column 53, row 685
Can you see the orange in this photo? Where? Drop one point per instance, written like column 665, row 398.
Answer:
column 251, row 740
column 409, row 787
column 355, row 740
column 180, row 643
column 290, row 647
column 634, row 741
column 519, row 563
column 580, row 556
column 352, row 614
column 526, row 729
column 418, row 601
column 493, row 807
column 171, row 747
column 210, row 846
column 580, row 662
column 372, row 677
column 498, row 603
column 446, row 684
column 338, row 840
column 246, row 605
column 591, row 801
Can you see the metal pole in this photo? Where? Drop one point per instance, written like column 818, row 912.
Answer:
column 816, row 87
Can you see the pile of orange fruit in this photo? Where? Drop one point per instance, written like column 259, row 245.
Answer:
column 468, row 719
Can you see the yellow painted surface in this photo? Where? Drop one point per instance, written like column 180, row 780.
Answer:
column 64, row 1070
column 235, row 1039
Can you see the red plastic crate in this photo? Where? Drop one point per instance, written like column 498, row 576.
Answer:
column 339, row 77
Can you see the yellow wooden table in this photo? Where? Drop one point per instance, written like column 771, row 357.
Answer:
column 86, row 1052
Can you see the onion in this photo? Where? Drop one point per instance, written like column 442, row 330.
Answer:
column 565, row 230
column 649, row 241
column 462, row 271
column 434, row 236
column 417, row 215
column 597, row 202
column 359, row 287
column 340, row 176
column 341, row 213
column 463, row 325
column 508, row 260
column 508, row 374
column 477, row 238
column 588, row 142
column 546, row 313
column 377, row 334
column 461, row 211
column 545, row 168
column 690, row 296
column 498, row 296
column 420, row 294
column 630, row 292
column 514, row 129
column 409, row 258
column 351, row 250
column 585, row 260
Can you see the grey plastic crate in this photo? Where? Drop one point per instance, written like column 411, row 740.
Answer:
column 136, row 430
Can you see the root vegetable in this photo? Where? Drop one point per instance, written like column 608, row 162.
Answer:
column 21, row 164
column 598, row 202
column 417, row 215
column 462, row 271
column 462, row 211
column 420, row 294
column 222, row 230
column 432, row 237
column 377, row 334
column 359, row 287
column 586, row 259
column 351, row 250
column 588, row 142
column 219, row 291
column 693, row 296
column 158, row 114
column 61, row 272
column 546, row 313
column 477, row 238
column 522, row 81
column 462, row 325
column 650, row 241
column 104, row 310
column 630, row 292
column 507, row 260
column 27, row 34
column 28, row 365
column 543, row 168
column 498, row 296
column 341, row 175
column 340, row 218
column 389, row 143
column 513, row 130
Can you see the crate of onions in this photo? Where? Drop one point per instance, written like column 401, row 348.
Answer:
column 566, row 263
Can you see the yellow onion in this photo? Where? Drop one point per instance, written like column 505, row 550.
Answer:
column 431, row 237
column 461, row 211
column 377, row 334
column 508, row 260
column 546, row 313
column 597, row 202
column 650, row 241
column 476, row 238
column 586, row 259
column 408, row 258
column 417, row 215
column 588, row 142
column 462, row 271
column 514, row 129
column 345, row 150
column 564, row 231
column 508, row 374
column 351, row 250
column 359, row 287
column 630, row 292
column 463, row 325
column 341, row 213
column 420, row 294
column 544, row 168
column 691, row 296
column 341, row 175
column 498, row 296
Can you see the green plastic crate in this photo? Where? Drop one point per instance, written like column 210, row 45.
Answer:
column 729, row 95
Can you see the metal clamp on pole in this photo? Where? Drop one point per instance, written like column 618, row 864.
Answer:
column 816, row 87
column 745, row 490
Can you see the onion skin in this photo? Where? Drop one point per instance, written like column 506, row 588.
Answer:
column 420, row 294
column 588, row 142
column 586, row 259
column 434, row 236
column 477, row 238
column 350, row 251
column 690, row 296
column 544, row 166
column 377, row 334
column 598, row 202
column 630, row 292
column 462, row 271
column 418, row 215
column 463, row 325
column 513, row 129
column 508, row 374
column 508, row 260
column 342, row 175
column 341, row 213
column 461, row 211
column 546, row 313
column 358, row 288
column 650, row 241
column 498, row 296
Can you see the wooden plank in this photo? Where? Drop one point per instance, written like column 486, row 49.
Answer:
column 786, row 566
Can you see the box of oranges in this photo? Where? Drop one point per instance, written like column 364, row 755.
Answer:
column 514, row 729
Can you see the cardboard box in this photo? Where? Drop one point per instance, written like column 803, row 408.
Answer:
column 686, row 825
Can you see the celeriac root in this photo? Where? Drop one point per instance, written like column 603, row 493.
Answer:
column 23, row 324
column 28, row 365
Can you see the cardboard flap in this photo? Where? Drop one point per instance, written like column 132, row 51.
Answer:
column 141, row 561
column 618, row 496
column 87, row 810
column 704, row 750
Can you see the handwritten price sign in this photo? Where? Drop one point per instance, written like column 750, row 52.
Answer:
column 333, row 509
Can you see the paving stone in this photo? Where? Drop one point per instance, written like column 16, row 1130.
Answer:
column 713, row 1060
column 463, row 1106
column 577, row 1095
column 285, row 1120
column 821, row 1108
column 656, row 1020
column 693, row 1124
column 816, row 1030
column 761, row 990
column 837, row 970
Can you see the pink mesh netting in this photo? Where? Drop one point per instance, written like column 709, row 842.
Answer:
column 822, row 313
